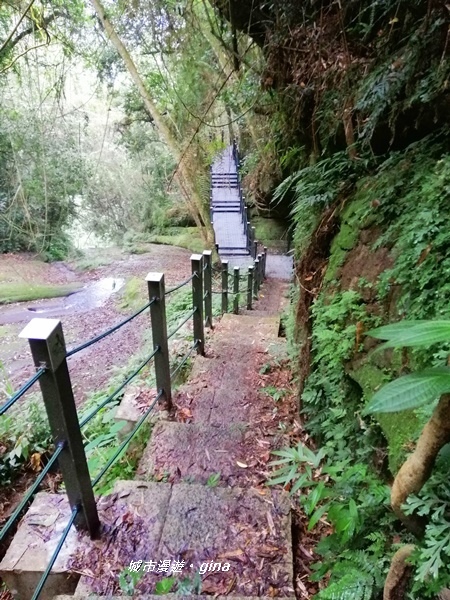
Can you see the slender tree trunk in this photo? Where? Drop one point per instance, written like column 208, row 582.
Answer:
column 182, row 176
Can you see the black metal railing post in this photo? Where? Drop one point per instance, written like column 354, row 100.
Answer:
column 255, row 248
column 48, row 348
column 156, row 291
column 224, row 286
column 260, row 270
column 249, row 238
column 255, row 279
column 250, row 288
column 207, row 286
column 197, row 301
column 236, row 291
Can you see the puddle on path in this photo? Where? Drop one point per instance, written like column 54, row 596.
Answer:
column 89, row 297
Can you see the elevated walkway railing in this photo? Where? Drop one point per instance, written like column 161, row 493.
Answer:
column 50, row 356
column 232, row 180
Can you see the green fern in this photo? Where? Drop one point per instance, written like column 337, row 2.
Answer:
column 353, row 585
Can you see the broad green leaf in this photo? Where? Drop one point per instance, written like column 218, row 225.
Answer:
column 413, row 333
column 411, row 391
column 318, row 514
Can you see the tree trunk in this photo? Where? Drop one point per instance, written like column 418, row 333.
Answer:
column 182, row 175
column 416, row 470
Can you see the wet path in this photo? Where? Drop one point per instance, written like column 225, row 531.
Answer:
column 92, row 296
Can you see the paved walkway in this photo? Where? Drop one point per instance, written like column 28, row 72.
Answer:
column 201, row 497
column 226, row 206
column 228, row 223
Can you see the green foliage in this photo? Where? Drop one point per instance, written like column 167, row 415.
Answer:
column 128, row 580
column 186, row 237
column 213, row 480
column 164, row 586
column 412, row 333
column 329, row 400
column 432, row 555
column 416, row 232
column 22, row 292
column 189, row 586
column 418, row 388
column 275, row 393
column 316, row 187
column 24, row 431
column 41, row 173
column 350, row 497
column 411, row 391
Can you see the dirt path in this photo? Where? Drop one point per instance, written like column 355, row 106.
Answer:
column 81, row 323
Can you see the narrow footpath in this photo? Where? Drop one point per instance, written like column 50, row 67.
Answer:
column 202, row 494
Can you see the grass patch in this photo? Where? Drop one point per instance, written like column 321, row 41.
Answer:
column 133, row 296
column 94, row 258
column 23, row 292
column 186, row 237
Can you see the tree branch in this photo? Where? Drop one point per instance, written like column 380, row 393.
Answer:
column 9, row 38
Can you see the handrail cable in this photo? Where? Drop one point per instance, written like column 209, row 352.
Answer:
column 191, row 350
column 62, row 539
column 172, row 333
column 127, row 440
column 31, row 491
column 87, row 418
column 180, row 285
column 22, row 390
column 109, row 331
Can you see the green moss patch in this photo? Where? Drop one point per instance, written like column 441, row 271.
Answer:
column 188, row 237
column 351, row 219
column 23, row 292
column 399, row 429
column 270, row 232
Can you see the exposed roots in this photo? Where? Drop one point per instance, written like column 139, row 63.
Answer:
column 399, row 574
column 417, row 468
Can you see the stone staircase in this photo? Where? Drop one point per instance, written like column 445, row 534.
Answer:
column 200, row 503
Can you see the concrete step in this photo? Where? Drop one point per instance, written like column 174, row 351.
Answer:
column 247, row 531
column 193, row 452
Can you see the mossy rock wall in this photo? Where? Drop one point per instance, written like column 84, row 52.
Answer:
column 385, row 263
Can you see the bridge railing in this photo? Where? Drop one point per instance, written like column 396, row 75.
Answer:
column 249, row 231
column 50, row 357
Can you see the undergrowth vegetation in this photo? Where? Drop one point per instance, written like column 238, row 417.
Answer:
column 394, row 216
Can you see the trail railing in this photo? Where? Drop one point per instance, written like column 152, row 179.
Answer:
column 234, row 179
column 50, row 357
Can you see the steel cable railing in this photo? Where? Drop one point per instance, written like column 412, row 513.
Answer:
column 183, row 362
column 177, row 329
column 85, row 419
column 22, row 390
column 180, row 285
column 10, row 522
column 108, row 331
column 62, row 539
column 55, row 384
column 126, row 441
